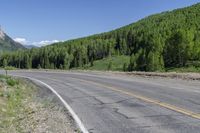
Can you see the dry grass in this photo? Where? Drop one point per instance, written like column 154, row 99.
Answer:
column 21, row 110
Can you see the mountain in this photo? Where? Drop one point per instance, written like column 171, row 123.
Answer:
column 30, row 46
column 7, row 43
column 156, row 43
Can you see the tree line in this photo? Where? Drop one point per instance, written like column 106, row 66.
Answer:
column 169, row 39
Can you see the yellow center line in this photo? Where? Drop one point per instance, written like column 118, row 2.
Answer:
column 146, row 99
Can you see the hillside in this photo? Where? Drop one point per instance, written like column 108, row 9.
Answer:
column 156, row 43
column 7, row 43
column 30, row 46
column 114, row 63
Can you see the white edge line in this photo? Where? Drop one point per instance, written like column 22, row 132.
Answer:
column 67, row 106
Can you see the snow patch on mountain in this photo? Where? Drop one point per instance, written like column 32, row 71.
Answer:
column 2, row 34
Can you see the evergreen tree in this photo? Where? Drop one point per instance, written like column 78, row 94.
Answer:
column 132, row 66
column 125, row 67
column 110, row 65
column 5, row 62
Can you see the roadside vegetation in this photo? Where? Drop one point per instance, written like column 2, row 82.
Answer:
column 22, row 110
column 184, row 69
column 11, row 95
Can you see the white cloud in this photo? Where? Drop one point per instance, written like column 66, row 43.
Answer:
column 45, row 42
column 38, row 44
column 21, row 40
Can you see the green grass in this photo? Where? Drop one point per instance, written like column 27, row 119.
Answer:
column 12, row 82
column 9, row 68
column 184, row 69
column 116, row 63
column 12, row 94
column 2, row 77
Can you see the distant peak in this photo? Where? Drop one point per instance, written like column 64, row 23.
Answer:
column 2, row 34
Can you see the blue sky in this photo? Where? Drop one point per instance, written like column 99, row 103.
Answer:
column 40, row 22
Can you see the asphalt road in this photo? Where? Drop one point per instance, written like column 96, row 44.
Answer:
column 109, row 103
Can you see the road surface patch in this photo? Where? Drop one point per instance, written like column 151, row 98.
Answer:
column 145, row 99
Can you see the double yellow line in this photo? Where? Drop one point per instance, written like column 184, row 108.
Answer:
column 145, row 99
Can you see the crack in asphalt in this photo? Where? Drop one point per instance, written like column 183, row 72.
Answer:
column 116, row 110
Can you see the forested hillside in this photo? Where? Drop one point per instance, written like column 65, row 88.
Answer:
column 169, row 39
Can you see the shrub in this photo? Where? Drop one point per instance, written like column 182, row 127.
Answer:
column 12, row 82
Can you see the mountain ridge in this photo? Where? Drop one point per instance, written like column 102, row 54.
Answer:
column 7, row 43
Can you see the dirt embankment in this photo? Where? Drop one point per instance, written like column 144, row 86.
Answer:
column 186, row 76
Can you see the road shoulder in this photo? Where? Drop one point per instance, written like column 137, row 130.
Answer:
column 26, row 107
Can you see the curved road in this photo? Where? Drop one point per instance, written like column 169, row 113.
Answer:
column 110, row 103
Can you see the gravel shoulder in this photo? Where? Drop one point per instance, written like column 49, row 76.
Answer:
column 26, row 107
column 172, row 75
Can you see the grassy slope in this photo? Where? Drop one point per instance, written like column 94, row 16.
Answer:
column 12, row 95
column 184, row 69
column 117, row 63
